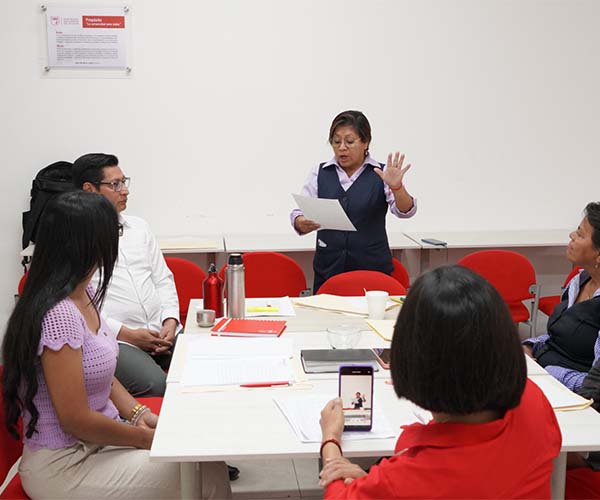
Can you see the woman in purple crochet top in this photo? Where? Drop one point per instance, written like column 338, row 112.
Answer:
column 84, row 435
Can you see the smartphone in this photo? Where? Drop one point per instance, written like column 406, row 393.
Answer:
column 383, row 357
column 433, row 241
column 356, row 391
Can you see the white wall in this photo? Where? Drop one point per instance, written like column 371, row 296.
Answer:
column 495, row 103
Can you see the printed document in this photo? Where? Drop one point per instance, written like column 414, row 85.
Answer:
column 326, row 212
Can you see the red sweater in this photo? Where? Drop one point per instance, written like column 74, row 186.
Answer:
column 507, row 458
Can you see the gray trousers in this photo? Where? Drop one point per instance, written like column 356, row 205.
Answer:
column 140, row 373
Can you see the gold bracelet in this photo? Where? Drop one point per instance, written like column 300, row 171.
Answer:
column 134, row 410
column 138, row 415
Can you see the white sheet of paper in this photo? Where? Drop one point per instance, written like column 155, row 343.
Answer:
column 204, row 372
column 235, row 347
column 326, row 212
column 303, row 412
column 283, row 304
column 558, row 395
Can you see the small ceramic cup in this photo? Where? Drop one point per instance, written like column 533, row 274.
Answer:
column 205, row 317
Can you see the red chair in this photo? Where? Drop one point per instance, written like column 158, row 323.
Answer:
column 188, row 281
column 582, row 484
column 547, row 304
column 354, row 283
column 400, row 273
column 21, row 283
column 271, row 274
column 10, row 451
column 513, row 276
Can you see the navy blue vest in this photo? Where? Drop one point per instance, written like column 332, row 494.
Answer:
column 366, row 206
column 573, row 333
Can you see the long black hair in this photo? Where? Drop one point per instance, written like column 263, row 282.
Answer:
column 78, row 234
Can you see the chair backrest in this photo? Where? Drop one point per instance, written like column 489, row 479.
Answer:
column 188, row 281
column 510, row 272
column 400, row 273
column 10, row 448
column 271, row 274
column 21, row 283
column 354, row 283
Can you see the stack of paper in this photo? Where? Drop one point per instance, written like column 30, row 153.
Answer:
column 331, row 303
column 383, row 327
column 560, row 398
column 281, row 306
column 303, row 413
column 221, row 361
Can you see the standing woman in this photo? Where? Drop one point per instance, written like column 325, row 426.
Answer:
column 59, row 364
column 365, row 189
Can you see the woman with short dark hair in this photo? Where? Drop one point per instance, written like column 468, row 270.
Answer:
column 81, row 427
column 456, row 353
column 571, row 345
column 366, row 190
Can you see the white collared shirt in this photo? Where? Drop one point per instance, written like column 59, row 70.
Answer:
column 142, row 291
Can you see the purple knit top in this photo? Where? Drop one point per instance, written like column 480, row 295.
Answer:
column 64, row 324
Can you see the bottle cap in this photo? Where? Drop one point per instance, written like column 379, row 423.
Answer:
column 212, row 268
column 235, row 259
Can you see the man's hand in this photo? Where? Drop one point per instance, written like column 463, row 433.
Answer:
column 143, row 338
column 167, row 332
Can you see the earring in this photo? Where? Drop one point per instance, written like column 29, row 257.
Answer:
column 366, row 152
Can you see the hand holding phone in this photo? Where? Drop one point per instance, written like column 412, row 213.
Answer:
column 356, row 392
column 383, row 357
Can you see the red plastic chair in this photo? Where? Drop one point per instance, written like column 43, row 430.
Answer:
column 400, row 273
column 10, row 451
column 582, row 484
column 188, row 281
column 354, row 283
column 271, row 274
column 547, row 304
column 21, row 283
column 513, row 276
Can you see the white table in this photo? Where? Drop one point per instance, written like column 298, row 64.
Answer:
column 246, row 424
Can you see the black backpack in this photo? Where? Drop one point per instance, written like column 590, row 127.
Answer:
column 51, row 180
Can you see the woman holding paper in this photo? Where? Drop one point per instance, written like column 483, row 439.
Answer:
column 493, row 434
column 84, row 435
column 365, row 189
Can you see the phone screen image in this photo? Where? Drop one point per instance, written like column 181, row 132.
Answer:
column 356, row 391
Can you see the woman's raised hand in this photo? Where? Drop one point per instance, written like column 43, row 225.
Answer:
column 394, row 172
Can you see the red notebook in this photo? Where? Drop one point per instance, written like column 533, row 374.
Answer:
column 229, row 327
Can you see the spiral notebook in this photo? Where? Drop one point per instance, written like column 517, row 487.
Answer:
column 229, row 327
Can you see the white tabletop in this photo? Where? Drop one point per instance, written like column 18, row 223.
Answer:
column 495, row 239
column 261, row 242
column 191, row 244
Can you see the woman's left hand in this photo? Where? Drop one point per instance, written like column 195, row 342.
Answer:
column 340, row 468
column 394, row 172
column 147, row 420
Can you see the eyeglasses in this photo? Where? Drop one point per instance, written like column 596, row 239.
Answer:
column 350, row 143
column 118, row 184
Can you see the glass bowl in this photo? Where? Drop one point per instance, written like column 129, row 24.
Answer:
column 343, row 336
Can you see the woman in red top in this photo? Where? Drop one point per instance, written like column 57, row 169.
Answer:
column 456, row 353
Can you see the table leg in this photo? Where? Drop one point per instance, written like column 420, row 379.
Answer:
column 191, row 480
column 559, row 474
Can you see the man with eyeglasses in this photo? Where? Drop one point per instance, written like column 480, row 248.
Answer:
column 141, row 305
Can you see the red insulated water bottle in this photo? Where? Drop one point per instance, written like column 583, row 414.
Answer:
column 213, row 291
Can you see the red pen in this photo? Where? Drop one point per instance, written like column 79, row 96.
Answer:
column 264, row 384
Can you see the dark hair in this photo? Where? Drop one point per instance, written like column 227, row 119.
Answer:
column 89, row 168
column 455, row 348
column 592, row 213
column 78, row 233
column 355, row 119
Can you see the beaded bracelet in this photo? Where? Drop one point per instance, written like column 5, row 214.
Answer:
column 134, row 410
column 332, row 440
column 139, row 414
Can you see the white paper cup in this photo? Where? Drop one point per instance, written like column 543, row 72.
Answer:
column 376, row 302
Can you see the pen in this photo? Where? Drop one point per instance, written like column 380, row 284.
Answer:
column 264, row 384
column 399, row 300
